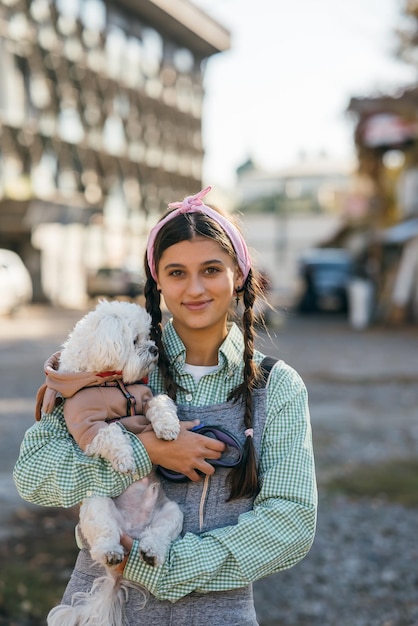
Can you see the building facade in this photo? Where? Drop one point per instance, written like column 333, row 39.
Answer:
column 287, row 211
column 386, row 138
column 100, row 126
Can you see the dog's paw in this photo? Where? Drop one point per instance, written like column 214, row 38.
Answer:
column 162, row 414
column 166, row 428
column 114, row 557
column 152, row 550
column 149, row 559
column 112, row 444
column 124, row 463
column 108, row 555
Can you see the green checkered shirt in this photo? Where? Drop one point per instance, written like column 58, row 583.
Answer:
column 53, row 471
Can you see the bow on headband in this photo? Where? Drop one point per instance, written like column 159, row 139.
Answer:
column 190, row 202
column 194, row 204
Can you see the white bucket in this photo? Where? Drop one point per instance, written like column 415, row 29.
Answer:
column 360, row 302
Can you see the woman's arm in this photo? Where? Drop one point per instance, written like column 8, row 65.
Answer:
column 275, row 535
column 53, row 471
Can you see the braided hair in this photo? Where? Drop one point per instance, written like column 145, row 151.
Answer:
column 243, row 478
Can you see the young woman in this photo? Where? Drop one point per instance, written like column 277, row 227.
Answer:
column 245, row 516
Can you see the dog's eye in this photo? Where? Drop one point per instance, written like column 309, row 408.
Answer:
column 138, row 340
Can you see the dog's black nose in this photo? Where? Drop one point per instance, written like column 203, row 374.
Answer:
column 153, row 350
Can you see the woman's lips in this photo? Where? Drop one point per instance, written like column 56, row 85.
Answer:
column 196, row 306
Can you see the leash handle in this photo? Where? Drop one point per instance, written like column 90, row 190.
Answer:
column 216, row 432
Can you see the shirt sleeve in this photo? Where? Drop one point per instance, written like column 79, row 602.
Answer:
column 279, row 530
column 52, row 470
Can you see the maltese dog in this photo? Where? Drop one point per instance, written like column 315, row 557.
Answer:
column 102, row 372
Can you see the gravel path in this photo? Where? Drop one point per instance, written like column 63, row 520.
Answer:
column 363, row 567
column 361, row 571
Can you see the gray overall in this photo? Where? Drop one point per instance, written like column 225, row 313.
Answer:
column 204, row 507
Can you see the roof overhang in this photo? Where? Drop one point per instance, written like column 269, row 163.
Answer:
column 184, row 22
column 387, row 122
column 404, row 103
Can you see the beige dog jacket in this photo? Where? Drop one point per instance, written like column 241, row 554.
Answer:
column 89, row 403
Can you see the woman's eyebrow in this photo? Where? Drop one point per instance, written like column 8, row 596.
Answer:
column 171, row 265
column 181, row 265
column 213, row 262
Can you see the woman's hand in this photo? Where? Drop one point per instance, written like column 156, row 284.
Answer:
column 187, row 454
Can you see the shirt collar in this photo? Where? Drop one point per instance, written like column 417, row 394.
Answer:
column 230, row 352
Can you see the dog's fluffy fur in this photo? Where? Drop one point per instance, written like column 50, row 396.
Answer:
column 115, row 336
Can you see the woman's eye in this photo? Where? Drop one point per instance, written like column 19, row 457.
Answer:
column 176, row 273
column 212, row 270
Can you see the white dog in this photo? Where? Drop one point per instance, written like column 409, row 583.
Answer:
column 100, row 366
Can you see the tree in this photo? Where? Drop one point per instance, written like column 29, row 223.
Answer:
column 407, row 34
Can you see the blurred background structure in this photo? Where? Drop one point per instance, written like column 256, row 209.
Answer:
column 100, row 123
column 103, row 120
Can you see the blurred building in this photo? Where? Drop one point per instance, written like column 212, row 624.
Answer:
column 314, row 184
column 287, row 211
column 100, row 126
column 383, row 213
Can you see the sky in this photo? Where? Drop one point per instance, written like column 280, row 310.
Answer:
column 284, row 87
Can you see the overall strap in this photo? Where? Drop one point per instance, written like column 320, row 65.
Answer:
column 266, row 366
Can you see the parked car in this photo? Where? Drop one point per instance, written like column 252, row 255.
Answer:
column 15, row 282
column 324, row 274
column 112, row 282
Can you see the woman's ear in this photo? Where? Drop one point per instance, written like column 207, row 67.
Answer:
column 239, row 279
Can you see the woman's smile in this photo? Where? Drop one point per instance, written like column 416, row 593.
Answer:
column 197, row 306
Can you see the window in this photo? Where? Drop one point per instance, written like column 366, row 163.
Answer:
column 93, row 15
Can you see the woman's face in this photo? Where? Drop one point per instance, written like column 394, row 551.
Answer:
column 197, row 279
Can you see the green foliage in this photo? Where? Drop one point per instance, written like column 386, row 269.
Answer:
column 281, row 205
column 394, row 481
column 406, row 35
column 36, row 565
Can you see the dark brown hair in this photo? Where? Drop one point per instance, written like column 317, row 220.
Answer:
column 243, row 478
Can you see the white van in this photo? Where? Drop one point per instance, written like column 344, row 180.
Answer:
column 15, row 282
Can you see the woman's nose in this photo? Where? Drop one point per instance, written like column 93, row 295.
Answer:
column 195, row 285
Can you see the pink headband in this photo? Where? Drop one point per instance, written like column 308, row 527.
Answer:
column 194, row 204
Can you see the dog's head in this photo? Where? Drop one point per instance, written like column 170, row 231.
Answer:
column 112, row 337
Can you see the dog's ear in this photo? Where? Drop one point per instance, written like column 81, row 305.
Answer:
column 112, row 340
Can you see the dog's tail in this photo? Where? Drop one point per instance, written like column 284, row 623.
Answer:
column 103, row 604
